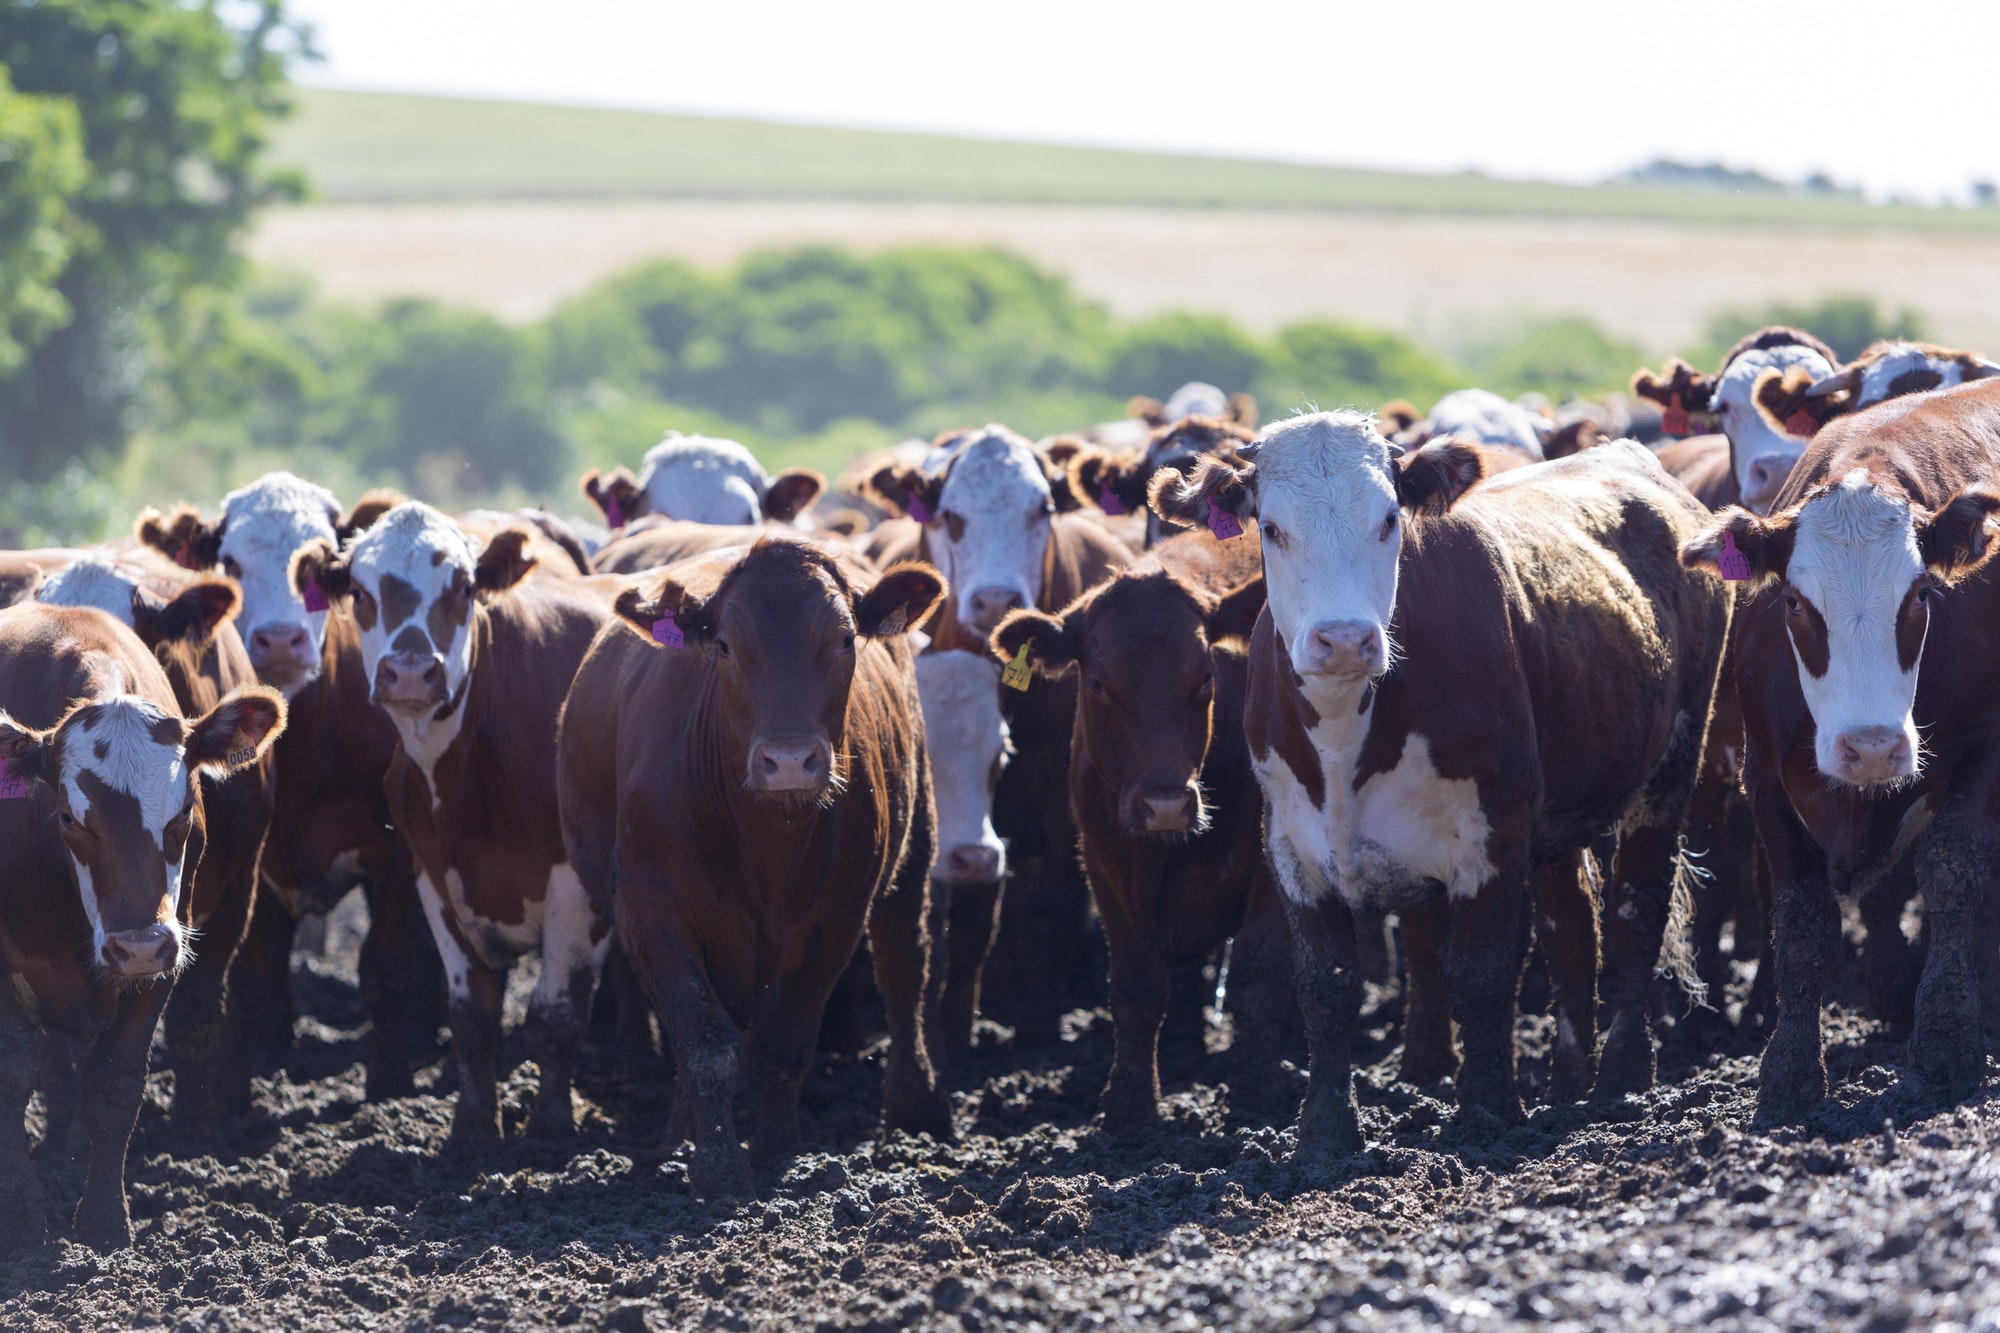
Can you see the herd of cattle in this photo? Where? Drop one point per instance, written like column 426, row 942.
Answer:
column 1512, row 676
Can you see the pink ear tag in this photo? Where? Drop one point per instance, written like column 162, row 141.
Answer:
column 315, row 597
column 1674, row 421
column 1108, row 502
column 1735, row 565
column 919, row 510
column 12, row 788
column 1221, row 522
column 668, row 633
column 614, row 513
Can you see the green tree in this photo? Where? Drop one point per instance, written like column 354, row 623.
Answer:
column 1847, row 324
column 1158, row 355
column 1561, row 358
column 1341, row 365
column 41, row 165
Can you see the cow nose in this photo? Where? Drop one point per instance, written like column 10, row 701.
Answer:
column 1767, row 477
column 789, row 765
column 1872, row 754
column 1167, row 812
column 1345, row 648
column 145, row 952
column 973, row 862
column 280, row 645
column 405, row 678
column 990, row 604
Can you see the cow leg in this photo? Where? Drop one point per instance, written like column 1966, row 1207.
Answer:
column 1806, row 940
column 1566, row 928
column 211, row 1080
column 22, row 1222
column 975, row 921
column 1328, row 976
column 1485, row 954
column 62, row 1099
column 1954, row 867
column 782, row 1043
column 1715, row 891
column 1889, row 962
column 1371, row 946
column 397, row 986
column 114, row 1083
column 1428, row 1053
column 473, row 1011
column 1260, row 999
column 911, row 1100
column 631, row 1025
column 707, row 1050
column 1639, row 898
column 1760, row 1006
column 575, row 940
column 1190, row 995
column 1139, row 994
column 261, row 974
column 937, row 974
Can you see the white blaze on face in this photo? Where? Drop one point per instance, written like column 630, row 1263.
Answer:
column 1331, row 531
column 92, row 582
column 1854, row 559
column 116, row 743
column 704, row 480
column 997, row 499
column 264, row 525
column 966, row 739
column 415, row 566
column 1486, row 417
column 1762, row 452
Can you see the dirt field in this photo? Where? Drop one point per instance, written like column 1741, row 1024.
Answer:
column 323, row 1212
column 1652, row 282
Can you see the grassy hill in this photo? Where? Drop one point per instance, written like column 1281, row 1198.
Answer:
column 390, row 147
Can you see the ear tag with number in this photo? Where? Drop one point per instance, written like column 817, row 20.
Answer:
column 894, row 623
column 668, row 634
column 614, row 513
column 315, row 597
column 238, row 758
column 1221, row 522
column 1801, row 423
column 1016, row 674
column 12, row 786
column 1109, row 502
column 1674, row 421
column 919, row 510
column 1735, row 565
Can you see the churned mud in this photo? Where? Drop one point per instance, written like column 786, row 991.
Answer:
column 324, row 1212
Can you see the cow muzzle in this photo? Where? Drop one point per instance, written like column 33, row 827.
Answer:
column 790, row 764
column 147, row 952
column 990, row 606
column 1165, row 810
column 1345, row 648
column 1766, row 478
column 282, row 654
column 970, row 863
column 1870, row 756
column 409, row 681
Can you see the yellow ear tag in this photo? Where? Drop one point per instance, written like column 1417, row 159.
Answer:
column 1016, row 674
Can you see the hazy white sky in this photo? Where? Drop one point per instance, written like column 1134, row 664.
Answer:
column 1898, row 97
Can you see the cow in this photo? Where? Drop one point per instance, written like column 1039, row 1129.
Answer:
column 471, row 664
column 1890, row 368
column 742, row 772
column 1483, row 417
column 552, row 544
column 989, row 521
column 193, row 637
column 1195, row 399
column 655, row 543
column 1864, row 670
column 330, row 832
column 1169, row 810
column 98, row 808
column 1117, row 482
column 1421, row 733
column 702, row 480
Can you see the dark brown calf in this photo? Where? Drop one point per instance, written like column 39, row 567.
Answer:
column 749, row 798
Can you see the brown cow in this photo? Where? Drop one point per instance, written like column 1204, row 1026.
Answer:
column 472, row 669
column 749, row 798
column 1117, row 482
column 96, row 815
column 1421, row 732
column 1864, row 665
column 1170, row 814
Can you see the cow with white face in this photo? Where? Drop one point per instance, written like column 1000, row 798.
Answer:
column 1421, row 733
column 98, row 808
column 1865, row 672
column 471, row 659
column 701, row 479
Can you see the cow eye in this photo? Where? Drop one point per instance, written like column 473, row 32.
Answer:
column 722, row 648
column 1207, row 683
column 1793, row 605
column 1928, row 593
column 1044, row 509
column 1388, row 525
column 231, row 568
column 1096, row 685
column 1271, row 533
column 66, row 819
column 847, row 643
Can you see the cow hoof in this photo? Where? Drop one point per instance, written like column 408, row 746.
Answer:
column 474, row 1126
column 1329, row 1129
column 921, row 1113
column 1125, row 1106
column 1948, row 1056
column 1625, row 1067
column 721, row 1174
column 103, row 1228
column 1572, row 1074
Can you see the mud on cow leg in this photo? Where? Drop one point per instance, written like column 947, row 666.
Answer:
column 22, row 1223
column 897, row 937
column 1792, row 1079
column 1954, row 868
column 1484, row 957
column 1889, row 961
column 974, row 917
column 1566, row 927
column 781, row 1052
column 474, row 1014
column 1639, row 894
column 575, row 940
column 1429, row 1054
column 262, row 973
column 1139, row 993
column 114, row 1083
column 1327, row 974
column 708, row 1060
column 399, row 981
column 205, row 1026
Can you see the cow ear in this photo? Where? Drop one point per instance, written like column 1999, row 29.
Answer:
column 1432, row 479
column 1149, row 410
column 191, row 618
column 791, row 492
column 367, row 511
column 27, row 753
column 1243, row 410
column 236, row 732
column 1764, row 546
column 318, row 562
column 504, row 562
column 1186, row 499
column 1396, row 416
column 616, row 493
column 908, row 491
column 900, row 600
column 1235, row 616
column 1095, row 473
column 1787, row 401
column 1956, row 538
column 1681, row 380
column 672, row 602
column 1056, row 459
column 1578, row 435
column 1050, row 646
column 182, row 536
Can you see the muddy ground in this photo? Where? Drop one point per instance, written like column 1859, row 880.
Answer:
column 323, row 1212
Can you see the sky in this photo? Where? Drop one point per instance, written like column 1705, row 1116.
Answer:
column 1898, row 99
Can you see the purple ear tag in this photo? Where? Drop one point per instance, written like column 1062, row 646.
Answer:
column 919, row 510
column 668, row 633
column 12, row 787
column 1108, row 502
column 1221, row 522
column 614, row 513
column 1735, row 565
column 315, row 597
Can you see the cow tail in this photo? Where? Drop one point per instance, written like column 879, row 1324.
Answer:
column 1677, row 941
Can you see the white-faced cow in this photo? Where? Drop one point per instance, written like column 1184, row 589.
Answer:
column 1483, row 417
column 1422, row 731
column 1864, row 666
column 702, row 480
column 98, row 807
column 471, row 664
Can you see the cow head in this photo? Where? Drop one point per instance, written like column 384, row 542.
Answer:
column 1858, row 569
column 263, row 526
column 967, row 741
column 1141, row 644
column 1328, row 499
column 988, row 515
column 415, row 582
column 187, row 621
column 703, row 480
column 1894, row 368
column 781, row 630
column 119, row 772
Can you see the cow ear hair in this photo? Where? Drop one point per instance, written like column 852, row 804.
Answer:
column 1430, row 480
column 896, row 485
column 27, row 752
column 1149, row 410
column 1186, row 499
column 1956, row 538
column 1765, row 543
column 182, row 536
column 367, row 512
column 1574, row 438
column 319, row 562
column 902, row 599
column 503, row 563
column 191, row 617
column 671, row 602
column 1051, row 647
column 1094, row 471
column 236, row 732
column 791, row 493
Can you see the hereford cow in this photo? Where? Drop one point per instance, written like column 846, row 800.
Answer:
column 1119, row 482
column 97, row 811
column 750, row 794
column 331, row 830
column 702, row 480
column 1169, row 810
column 1483, row 417
column 1895, row 368
column 1421, row 731
column 472, row 670
column 989, row 522
column 1864, row 666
